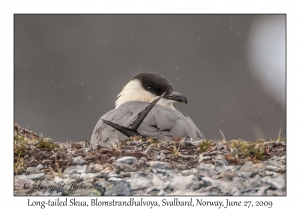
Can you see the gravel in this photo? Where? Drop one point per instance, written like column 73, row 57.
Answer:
column 205, row 179
column 148, row 167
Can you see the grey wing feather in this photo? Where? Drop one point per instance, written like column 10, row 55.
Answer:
column 104, row 135
column 160, row 123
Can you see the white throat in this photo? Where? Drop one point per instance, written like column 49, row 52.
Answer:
column 134, row 91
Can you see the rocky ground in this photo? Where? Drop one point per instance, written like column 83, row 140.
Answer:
column 148, row 167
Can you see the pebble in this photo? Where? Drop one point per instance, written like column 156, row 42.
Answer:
column 32, row 169
column 77, row 168
column 126, row 161
column 207, row 181
column 159, row 164
column 117, row 188
column 228, row 174
column 204, row 170
column 31, row 176
column 78, row 160
column 39, row 166
column 222, row 162
column 183, row 182
column 95, row 168
column 139, row 183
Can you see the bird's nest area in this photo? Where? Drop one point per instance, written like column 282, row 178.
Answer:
column 31, row 149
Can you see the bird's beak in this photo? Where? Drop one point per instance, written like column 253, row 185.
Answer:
column 176, row 97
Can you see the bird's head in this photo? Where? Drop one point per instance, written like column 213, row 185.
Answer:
column 147, row 87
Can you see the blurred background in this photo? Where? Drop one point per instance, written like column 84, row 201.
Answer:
column 70, row 68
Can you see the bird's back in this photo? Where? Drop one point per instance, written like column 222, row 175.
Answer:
column 161, row 123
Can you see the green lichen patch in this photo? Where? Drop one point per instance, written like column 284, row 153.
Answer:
column 205, row 145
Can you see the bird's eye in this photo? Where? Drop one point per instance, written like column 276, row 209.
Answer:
column 149, row 87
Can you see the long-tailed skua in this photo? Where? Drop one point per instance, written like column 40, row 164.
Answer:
column 145, row 107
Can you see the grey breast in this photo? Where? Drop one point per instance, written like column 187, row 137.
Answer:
column 161, row 123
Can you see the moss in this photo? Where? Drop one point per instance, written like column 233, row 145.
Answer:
column 243, row 149
column 46, row 143
column 19, row 166
column 19, row 146
column 205, row 145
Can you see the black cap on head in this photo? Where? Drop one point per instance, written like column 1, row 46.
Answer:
column 154, row 83
column 157, row 85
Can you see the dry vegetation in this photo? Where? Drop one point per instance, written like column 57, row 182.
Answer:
column 31, row 149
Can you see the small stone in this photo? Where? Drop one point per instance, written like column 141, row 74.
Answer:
column 58, row 179
column 115, row 179
column 112, row 159
column 78, row 160
column 255, row 181
column 272, row 168
column 143, row 159
column 103, row 174
column 161, row 193
column 139, row 183
column 228, row 174
column 39, row 166
column 230, row 168
column 283, row 157
column 222, row 162
column 249, row 163
column 167, row 185
column 275, row 184
column 262, row 190
column 153, row 170
column 244, row 174
column 77, row 168
column 248, row 168
column 185, row 172
column 159, row 164
column 87, row 176
column 77, row 177
column 197, row 186
column 35, row 176
column 183, row 182
column 93, row 168
column 204, row 170
column 157, row 182
column 101, row 186
column 124, row 174
column 112, row 174
column 32, row 169
column 152, row 191
column 259, row 165
column 208, row 181
column 126, row 161
column 271, row 173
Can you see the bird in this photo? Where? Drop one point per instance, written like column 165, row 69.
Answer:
column 145, row 107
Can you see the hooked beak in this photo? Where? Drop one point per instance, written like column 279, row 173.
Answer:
column 176, row 97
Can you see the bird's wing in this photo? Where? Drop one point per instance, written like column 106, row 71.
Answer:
column 160, row 123
column 176, row 123
column 104, row 135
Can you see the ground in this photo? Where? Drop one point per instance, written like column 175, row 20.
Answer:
column 31, row 149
